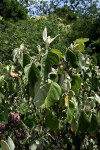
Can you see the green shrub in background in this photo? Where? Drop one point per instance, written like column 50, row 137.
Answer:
column 12, row 9
column 29, row 32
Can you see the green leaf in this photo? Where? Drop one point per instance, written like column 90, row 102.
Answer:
column 31, row 90
column 30, row 121
column 32, row 73
column 83, row 123
column 80, row 47
column 58, row 52
column 81, row 60
column 26, row 59
column 80, row 44
column 47, row 94
column 37, row 86
column 71, row 58
column 81, row 40
column 76, row 82
column 11, row 143
column 70, row 112
column 51, row 121
column 4, row 145
column 93, row 122
column 52, row 59
column 23, row 108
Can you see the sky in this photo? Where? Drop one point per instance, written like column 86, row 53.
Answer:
column 49, row 1
column 37, row 1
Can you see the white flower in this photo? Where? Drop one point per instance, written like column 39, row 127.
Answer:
column 73, row 46
column 45, row 34
column 47, row 39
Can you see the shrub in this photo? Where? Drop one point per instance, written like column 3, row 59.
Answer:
column 51, row 98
